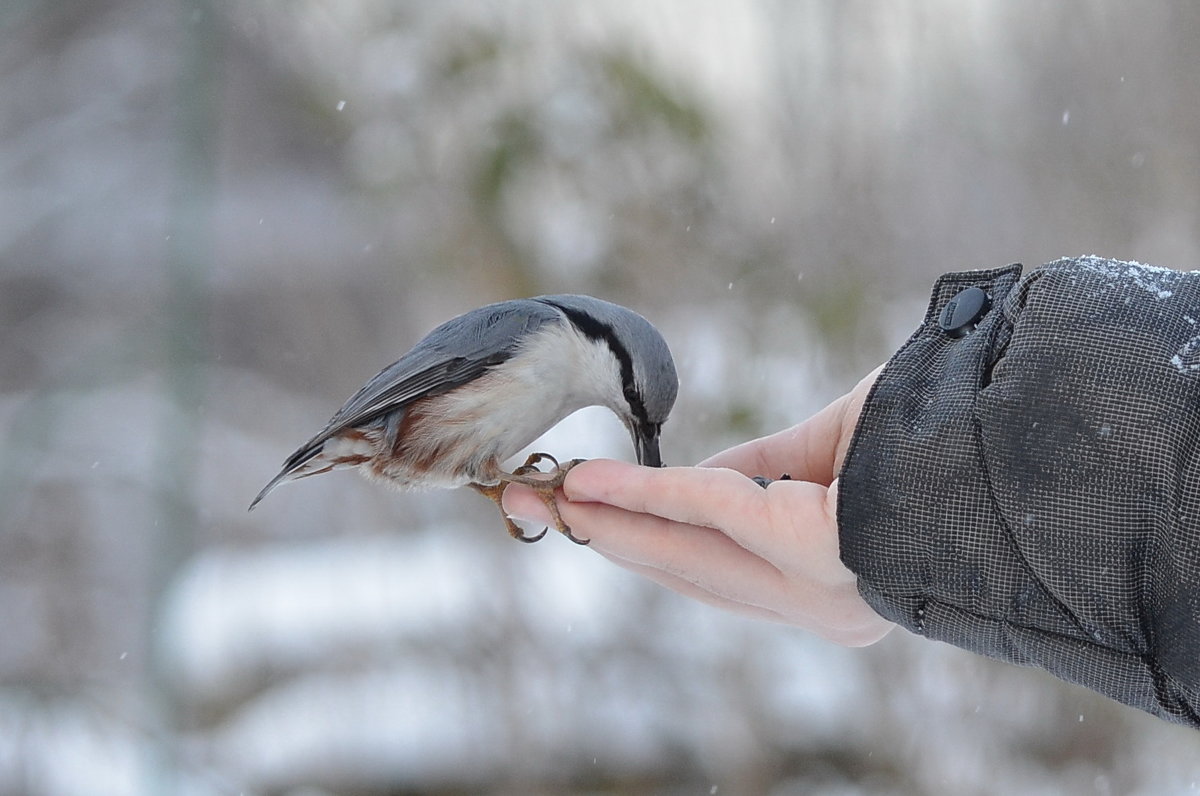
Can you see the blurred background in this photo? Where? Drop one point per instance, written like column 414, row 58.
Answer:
column 218, row 219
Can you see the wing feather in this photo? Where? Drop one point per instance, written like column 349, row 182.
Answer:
column 458, row 351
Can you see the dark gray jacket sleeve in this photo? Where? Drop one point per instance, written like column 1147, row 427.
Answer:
column 1031, row 491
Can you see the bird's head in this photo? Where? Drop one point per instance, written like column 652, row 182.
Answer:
column 639, row 365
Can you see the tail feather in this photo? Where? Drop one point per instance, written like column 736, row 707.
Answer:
column 348, row 449
column 284, row 475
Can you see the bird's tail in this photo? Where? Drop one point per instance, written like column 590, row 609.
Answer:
column 349, row 448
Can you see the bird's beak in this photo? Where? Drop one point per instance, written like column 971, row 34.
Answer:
column 645, row 441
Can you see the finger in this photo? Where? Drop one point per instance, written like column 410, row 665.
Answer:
column 776, row 524
column 702, row 556
column 708, row 559
column 643, row 538
column 804, row 451
column 855, row 626
column 809, row 451
column 705, row 564
column 714, row 498
column 691, row 590
column 523, row 504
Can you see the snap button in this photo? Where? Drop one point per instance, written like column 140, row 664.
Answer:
column 959, row 317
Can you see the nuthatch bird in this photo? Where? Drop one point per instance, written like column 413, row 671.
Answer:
column 483, row 385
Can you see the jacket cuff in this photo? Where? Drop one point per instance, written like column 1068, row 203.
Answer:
column 913, row 488
column 1046, row 517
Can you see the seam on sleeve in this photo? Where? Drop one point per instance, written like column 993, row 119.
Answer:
column 1002, row 521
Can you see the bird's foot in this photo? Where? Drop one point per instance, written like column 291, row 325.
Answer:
column 529, row 475
column 495, row 493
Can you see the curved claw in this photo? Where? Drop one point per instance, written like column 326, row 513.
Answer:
column 532, row 461
column 567, row 533
column 520, row 537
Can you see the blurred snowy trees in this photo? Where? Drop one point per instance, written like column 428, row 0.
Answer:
column 217, row 219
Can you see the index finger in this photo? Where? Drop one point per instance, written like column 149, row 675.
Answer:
column 708, row 497
column 770, row 523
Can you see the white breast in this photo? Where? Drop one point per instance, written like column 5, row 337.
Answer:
column 469, row 429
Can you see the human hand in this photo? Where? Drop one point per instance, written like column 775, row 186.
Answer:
column 711, row 533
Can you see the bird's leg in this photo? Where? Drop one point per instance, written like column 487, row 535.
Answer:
column 544, row 487
column 495, row 493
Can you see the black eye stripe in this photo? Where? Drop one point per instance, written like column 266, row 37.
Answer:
column 595, row 330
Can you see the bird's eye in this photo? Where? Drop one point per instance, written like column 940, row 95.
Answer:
column 631, row 394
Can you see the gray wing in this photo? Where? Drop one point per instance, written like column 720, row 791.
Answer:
column 458, row 351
